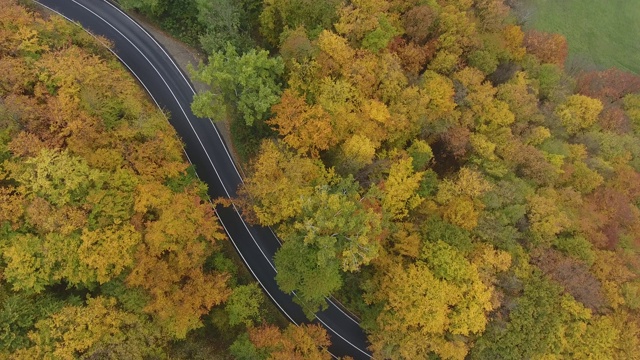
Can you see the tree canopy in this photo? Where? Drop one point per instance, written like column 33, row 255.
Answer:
column 430, row 163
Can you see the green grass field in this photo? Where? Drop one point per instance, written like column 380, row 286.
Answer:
column 604, row 33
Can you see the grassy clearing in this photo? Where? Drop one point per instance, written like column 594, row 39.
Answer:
column 604, row 33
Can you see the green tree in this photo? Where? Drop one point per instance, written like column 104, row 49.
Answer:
column 144, row 5
column 279, row 16
column 545, row 324
column 226, row 21
column 300, row 270
column 243, row 306
column 58, row 177
column 334, row 233
column 379, row 38
column 18, row 313
column 249, row 82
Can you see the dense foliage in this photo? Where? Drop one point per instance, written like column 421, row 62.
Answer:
column 426, row 161
column 109, row 247
column 437, row 169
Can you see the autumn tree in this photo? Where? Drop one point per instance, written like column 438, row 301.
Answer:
column 279, row 183
column 574, row 277
column 427, row 300
column 460, row 198
column 366, row 22
column 428, row 163
column 335, row 232
column 279, row 16
column 631, row 105
column 519, row 94
column 57, row 177
column 355, row 153
column 578, row 113
column 514, row 41
column 179, row 233
column 295, row 342
column 96, row 204
column 305, row 128
column 491, row 12
column 608, row 86
column 549, row 48
column 483, row 110
column 418, row 23
column 400, row 189
column 546, row 216
column 98, row 329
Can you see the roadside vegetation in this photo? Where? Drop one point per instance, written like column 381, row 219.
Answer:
column 109, row 247
column 428, row 162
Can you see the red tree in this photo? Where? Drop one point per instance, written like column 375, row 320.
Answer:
column 609, row 86
column 548, row 47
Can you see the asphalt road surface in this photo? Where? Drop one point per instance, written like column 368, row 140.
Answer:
column 172, row 91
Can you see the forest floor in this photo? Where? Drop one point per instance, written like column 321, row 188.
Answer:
column 601, row 33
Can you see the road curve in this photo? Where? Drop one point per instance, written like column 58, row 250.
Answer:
column 204, row 146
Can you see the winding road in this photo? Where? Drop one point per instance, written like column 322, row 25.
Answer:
column 205, row 148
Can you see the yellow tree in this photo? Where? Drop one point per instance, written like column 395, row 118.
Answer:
column 109, row 251
column 305, row 342
column 99, row 329
column 460, row 198
column 521, row 98
column 355, row 153
column 279, row 182
column 439, row 92
column 306, row 128
column 361, row 17
column 180, row 231
column 513, row 38
column 11, row 206
column 423, row 302
column 579, row 113
column 58, row 177
column 546, row 217
column 336, row 54
column 34, row 261
column 344, row 103
column 399, row 189
column 483, row 110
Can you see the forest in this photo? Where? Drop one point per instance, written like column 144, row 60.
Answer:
column 429, row 163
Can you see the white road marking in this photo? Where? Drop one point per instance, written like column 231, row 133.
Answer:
column 186, row 117
column 351, row 317
column 207, row 154
column 181, row 74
